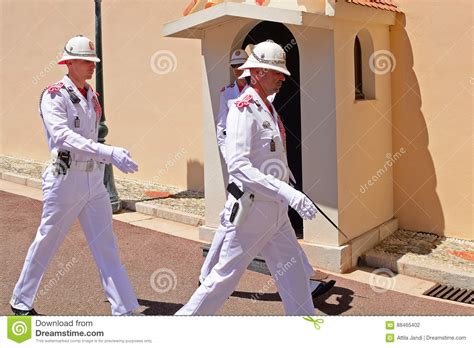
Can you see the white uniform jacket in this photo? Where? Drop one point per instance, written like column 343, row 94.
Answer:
column 229, row 94
column 256, row 157
column 73, row 127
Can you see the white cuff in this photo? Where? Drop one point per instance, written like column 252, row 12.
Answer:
column 105, row 153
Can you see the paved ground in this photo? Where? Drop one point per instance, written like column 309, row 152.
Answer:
column 71, row 285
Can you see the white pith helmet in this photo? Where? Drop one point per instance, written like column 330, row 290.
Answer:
column 79, row 47
column 238, row 57
column 267, row 55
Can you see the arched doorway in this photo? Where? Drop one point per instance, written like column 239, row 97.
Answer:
column 287, row 101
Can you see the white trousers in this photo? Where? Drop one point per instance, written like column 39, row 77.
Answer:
column 80, row 195
column 212, row 256
column 267, row 230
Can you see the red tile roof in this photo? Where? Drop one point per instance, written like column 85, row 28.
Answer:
column 388, row 5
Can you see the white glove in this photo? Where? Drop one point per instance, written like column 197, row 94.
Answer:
column 298, row 201
column 122, row 159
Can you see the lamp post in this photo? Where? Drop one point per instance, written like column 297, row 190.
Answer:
column 103, row 130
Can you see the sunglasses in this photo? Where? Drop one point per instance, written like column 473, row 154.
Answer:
column 235, row 66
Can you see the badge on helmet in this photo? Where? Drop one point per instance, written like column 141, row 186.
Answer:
column 238, row 57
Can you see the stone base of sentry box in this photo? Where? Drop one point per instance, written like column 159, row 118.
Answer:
column 344, row 258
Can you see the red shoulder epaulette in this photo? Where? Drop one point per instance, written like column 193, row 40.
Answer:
column 245, row 101
column 55, row 88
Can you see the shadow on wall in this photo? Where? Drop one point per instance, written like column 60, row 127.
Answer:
column 195, row 175
column 416, row 203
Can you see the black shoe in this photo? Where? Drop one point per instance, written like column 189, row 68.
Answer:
column 23, row 312
column 323, row 288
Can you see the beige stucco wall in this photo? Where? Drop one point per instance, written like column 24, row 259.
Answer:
column 156, row 116
column 364, row 135
column 432, row 117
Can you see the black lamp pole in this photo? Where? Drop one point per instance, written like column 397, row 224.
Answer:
column 103, row 130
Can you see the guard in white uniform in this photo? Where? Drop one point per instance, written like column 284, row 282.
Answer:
column 228, row 96
column 256, row 212
column 73, row 184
